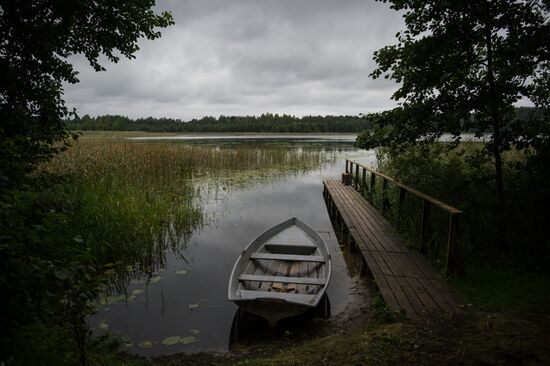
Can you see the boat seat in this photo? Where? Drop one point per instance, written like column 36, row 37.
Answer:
column 282, row 279
column 299, row 249
column 288, row 257
column 253, row 295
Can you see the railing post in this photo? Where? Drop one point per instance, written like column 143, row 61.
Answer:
column 347, row 162
column 385, row 200
column 402, row 194
column 425, row 226
column 363, row 180
column 454, row 261
column 356, row 176
column 372, row 185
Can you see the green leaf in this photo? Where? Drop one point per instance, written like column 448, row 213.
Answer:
column 155, row 279
column 137, row 292
column 103, row 325
column 181, row 271
column 145, row 344
column 114, row 299
column 63, row 275
column 187, row 340
column 170, row 341
column 194, row 331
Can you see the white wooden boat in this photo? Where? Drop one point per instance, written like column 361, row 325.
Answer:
column 281, row 273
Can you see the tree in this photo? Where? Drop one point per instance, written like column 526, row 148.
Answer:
column 37, row 39
column 462, row 65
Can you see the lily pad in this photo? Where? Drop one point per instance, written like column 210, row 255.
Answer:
column 145, row 344
column 170, row 341
column 137, row 292
column 109, row 300
column 155, row 279
column 194, row 331
column 137, row 282
column 109, row 272
column 195, row 306
column 181, row 271
column 103, row 325
column 187, row 340
column 128, row 345
column 129, row 268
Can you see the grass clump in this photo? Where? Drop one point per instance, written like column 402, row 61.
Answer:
column 134, row 202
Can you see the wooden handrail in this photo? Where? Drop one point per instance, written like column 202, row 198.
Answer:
column 454, row 262
column 424, row 196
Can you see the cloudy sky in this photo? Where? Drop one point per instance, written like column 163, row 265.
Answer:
column 247, row 57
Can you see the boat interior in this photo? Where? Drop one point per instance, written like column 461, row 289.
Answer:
column 288, row 263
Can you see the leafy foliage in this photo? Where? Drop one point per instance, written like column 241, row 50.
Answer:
column 38, row 37
column 461, row 66
column 48, row 273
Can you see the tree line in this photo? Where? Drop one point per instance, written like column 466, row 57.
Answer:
column 265, row 123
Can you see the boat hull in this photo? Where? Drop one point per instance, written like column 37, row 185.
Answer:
column 272, row 310
column 282, row 273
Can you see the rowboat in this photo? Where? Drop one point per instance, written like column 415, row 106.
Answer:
column 282, row 273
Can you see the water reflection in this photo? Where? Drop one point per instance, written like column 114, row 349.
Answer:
column 181, row 305
column 249, row 329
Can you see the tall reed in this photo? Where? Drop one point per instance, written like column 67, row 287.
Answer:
column 141, row 197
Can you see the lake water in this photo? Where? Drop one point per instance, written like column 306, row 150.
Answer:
column 188, row 298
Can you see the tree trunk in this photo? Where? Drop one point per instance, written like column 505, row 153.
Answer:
column 497, row 138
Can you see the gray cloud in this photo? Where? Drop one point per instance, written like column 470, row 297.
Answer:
column 248, row 57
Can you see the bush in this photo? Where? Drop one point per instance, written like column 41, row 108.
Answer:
column 464, row 177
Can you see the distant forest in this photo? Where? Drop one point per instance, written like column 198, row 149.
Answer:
column 264, row 123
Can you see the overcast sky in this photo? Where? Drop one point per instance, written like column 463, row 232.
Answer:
column 301, row 57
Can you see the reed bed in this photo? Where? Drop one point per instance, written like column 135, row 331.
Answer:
column 140, row 198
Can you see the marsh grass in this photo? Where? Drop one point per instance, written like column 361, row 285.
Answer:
column 140, row 198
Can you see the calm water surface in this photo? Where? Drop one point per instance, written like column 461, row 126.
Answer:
column 189, row 297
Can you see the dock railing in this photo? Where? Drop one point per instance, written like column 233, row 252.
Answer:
column 365, row 183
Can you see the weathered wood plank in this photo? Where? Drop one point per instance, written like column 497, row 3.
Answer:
column 251, row 295
column 288, row 257
column 283, row 279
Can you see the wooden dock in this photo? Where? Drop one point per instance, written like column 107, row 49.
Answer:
column 406, row 280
